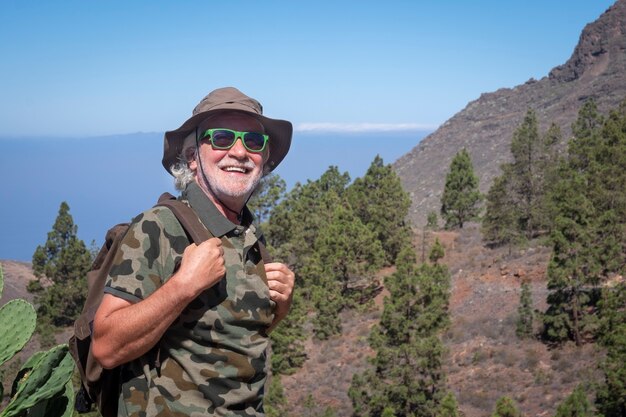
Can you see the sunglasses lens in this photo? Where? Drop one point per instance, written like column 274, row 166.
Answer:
column 254, row 141
column 223, row 139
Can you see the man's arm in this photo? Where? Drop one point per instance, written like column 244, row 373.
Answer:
column 280, row 280
column 124, row 331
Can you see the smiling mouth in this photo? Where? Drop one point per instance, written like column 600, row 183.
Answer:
column 241, row 170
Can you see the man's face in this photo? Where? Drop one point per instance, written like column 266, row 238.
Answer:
column 234, row 173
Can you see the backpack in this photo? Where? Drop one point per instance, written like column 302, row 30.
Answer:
column 98, row 385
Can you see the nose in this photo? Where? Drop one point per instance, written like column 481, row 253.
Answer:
column 238, row 150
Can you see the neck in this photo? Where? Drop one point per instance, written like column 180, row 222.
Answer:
column 232, row 210
column 229, row 212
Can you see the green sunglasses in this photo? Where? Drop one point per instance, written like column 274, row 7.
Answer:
column 225, row 139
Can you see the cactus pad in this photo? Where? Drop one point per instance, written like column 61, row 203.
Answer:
column 45, row 380
column 17, row 324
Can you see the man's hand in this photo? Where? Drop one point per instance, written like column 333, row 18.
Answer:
column 202, row 266
column 281, row 280
column 124, row 331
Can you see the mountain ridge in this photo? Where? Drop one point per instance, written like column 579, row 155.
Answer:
column 486, row 125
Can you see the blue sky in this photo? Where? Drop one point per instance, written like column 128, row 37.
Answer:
column 356, row 79
column 81, row 67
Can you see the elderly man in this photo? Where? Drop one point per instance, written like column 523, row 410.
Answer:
column 189, row 323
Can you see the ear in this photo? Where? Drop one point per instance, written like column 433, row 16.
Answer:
column 190, row 156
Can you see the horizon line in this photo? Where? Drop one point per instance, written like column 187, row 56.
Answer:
column 307, row 127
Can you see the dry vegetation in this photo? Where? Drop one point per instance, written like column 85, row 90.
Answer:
column 485, row 359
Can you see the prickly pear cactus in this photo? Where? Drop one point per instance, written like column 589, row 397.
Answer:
column 17, row 324
column 46, row 379
column 44, row 385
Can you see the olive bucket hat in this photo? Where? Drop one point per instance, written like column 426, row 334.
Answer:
column 224, row 100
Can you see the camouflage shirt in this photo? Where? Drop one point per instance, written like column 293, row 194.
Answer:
column 212, row 358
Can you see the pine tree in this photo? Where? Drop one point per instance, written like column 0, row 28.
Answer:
column 586, row 135
column 294, row 223
column 325, row 296
column 526, row 173
column 572, row 266
column 350, row 250
column 449, row 406
column 333, row 253
column 590, row 206
column 266, row 196
column 346, row 257
column 500, row 223
column 407, row 378
column 64, row 259
column 505, row 407
column 611, row 394
column 432, row 222
column 518, row 206
column 548, row 164
column 288, row 339
column 524, row 328
column 63, row 255
column 275, row 402
column 607, row 181
column 436, row 252
column 333, row 180
column 460, row 199
column 382, row 205
column 575, row 405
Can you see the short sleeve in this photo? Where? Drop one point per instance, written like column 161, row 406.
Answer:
column 148, row 255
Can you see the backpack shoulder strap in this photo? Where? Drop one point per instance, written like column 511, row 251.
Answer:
column 187, row 218
column 265, row 254
column 191, row 223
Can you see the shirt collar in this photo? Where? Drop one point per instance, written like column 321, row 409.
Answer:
column 210, row 216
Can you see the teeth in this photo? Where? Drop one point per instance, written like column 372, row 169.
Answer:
column 235, row 169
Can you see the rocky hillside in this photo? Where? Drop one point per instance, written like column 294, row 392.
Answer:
column 17, row 275
column 485, row 126
column 484, row 361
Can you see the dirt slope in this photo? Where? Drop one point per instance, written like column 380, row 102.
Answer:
column 485, row 359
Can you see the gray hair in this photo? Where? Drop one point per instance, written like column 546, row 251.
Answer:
column 183, row 175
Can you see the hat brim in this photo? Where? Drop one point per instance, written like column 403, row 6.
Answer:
column 279, row 131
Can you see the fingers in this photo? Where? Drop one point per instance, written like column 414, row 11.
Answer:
column 277, row 267
column 213, row 242
column 278, row 292
column 210, row 247
column 280, row 281
column 203, row 265
column 207, row 245
column 215, row 253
